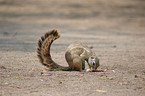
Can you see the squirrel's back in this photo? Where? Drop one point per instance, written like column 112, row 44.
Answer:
column 79, row 48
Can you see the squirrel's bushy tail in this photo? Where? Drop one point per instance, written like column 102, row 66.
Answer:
column 43, row 50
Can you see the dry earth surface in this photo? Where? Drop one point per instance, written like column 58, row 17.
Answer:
column 115, row 28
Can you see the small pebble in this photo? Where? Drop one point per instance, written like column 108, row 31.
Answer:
column 41, row 79
column 136, row 76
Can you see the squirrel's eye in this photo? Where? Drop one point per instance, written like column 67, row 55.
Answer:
column 92, row 57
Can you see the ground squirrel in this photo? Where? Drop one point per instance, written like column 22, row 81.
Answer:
column 76, row 54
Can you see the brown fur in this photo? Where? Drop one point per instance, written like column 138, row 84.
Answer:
column 76, row 54
column 43, row 50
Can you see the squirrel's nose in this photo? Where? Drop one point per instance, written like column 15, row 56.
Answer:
column 93, row 63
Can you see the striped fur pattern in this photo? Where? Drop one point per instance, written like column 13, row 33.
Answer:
column 43, row 50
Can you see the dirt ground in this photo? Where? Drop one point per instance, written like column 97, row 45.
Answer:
column 115, row 29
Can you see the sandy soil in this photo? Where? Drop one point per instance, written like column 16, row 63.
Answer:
column 115, row 28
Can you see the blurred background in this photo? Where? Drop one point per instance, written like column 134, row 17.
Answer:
column 115, row 29
column 95, row 22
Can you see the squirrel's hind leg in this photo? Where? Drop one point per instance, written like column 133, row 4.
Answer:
column 78, row 63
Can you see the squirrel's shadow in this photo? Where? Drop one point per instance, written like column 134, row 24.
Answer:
column 98, row 71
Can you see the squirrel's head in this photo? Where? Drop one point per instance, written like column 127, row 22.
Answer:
column 93, row 63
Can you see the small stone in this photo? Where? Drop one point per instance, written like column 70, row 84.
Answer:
column 110, row 78
column 6, row 83
column 3, row 67
column 41, row 79
column 101, row 91
column 41, row 73
column 103, row 76
column 136, row 76
column 139, row 87
column 5, row 33
column 114, row 46
column 113, row 71
column 105, row 70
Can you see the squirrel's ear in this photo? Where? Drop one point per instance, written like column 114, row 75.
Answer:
column 91, row 47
